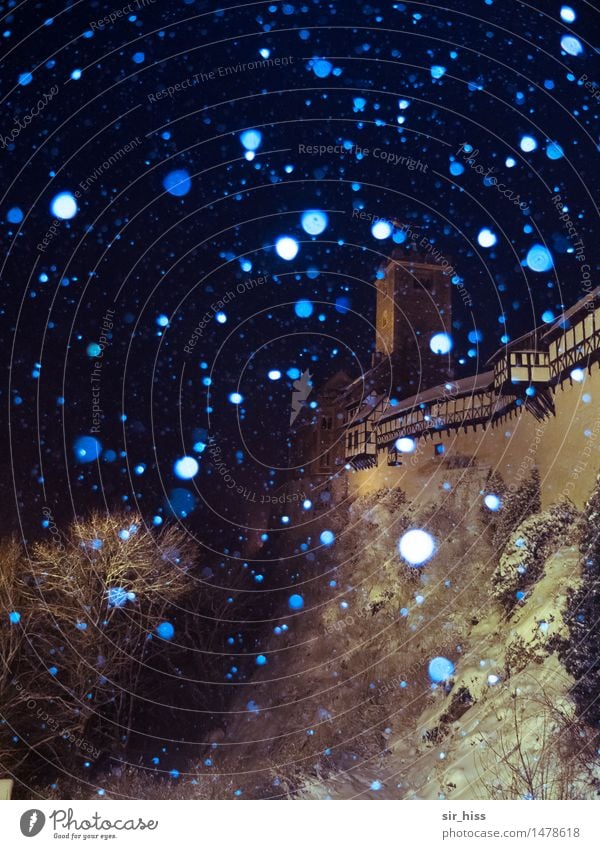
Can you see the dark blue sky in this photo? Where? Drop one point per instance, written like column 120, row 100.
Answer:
column 345, row 97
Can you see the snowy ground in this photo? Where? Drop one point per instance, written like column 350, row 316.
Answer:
column 354, row 715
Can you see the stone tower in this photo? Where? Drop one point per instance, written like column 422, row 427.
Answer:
column 414, row 305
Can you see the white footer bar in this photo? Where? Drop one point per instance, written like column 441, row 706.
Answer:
column 287, row 824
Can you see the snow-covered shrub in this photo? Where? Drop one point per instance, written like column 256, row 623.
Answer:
column 492, row 519
column 517, row 506
column 519, row 655
column 522, row 561
column 136, row 783
column 580, row 655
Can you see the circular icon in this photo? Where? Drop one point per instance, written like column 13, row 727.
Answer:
column 32, row 822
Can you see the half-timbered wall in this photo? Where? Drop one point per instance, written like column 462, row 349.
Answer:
column 492, row 428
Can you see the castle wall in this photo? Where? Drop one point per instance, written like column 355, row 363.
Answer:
column 568, row 460
column 414, row 302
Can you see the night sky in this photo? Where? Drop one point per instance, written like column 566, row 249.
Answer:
column 152, row 162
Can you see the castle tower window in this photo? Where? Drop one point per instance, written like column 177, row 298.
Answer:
column 325, row 462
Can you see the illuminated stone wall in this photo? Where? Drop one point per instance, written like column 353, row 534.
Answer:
column 565, row 448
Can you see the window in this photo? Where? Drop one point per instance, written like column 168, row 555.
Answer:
column 438, row 450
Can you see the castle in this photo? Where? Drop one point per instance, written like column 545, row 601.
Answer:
column 407, row 423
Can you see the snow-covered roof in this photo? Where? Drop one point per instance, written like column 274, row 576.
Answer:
column 579, row 307
column 366, row 409
column 452, row 389
column 539, row 337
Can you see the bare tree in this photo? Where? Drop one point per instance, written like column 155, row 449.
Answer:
column 88, row 617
